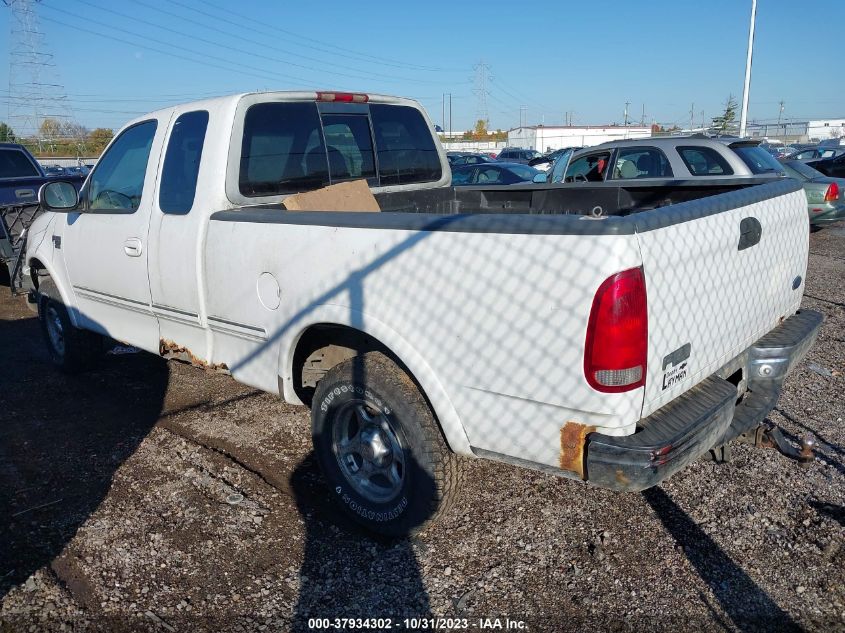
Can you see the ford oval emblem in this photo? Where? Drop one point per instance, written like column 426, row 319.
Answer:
column 796, row 283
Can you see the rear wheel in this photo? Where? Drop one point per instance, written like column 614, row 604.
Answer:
column 71, row 349
column 380, row 447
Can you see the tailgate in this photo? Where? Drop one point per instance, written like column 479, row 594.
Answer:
column 720, row 273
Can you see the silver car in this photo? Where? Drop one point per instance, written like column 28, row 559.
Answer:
column 668, row 158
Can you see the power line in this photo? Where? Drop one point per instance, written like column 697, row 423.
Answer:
column 221, row 59
column 324, row 47
column 217, row 44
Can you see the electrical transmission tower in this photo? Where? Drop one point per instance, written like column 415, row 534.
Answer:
column 34, row 92
column 482, row 76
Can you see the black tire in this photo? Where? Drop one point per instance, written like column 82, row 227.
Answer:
column 71, row 349
column 430, row 474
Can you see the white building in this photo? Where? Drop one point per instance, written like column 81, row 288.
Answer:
column 545, row 137
column 826, row 129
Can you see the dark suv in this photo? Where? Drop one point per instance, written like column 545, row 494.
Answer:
column 517, row 155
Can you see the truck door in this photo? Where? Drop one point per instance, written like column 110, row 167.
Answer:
column 179, row 217
column 105, row 244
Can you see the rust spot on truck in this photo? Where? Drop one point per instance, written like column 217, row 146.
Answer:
column 573, row 439
column 173, row 351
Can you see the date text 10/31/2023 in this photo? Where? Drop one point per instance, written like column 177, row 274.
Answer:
column 417, row 624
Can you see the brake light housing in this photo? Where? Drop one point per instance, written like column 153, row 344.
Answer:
column 343, row 97
column 832, row 192
column 616, row 345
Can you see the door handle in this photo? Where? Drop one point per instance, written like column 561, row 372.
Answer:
column 133, row 247
column 750, row 231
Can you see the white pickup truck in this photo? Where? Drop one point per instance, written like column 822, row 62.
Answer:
column 606, row 332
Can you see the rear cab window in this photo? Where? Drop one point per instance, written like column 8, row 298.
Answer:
column 288, row 147
column 704, row 161
column 641, row 162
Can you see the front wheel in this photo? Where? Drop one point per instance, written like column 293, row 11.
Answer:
column 71, row 349
column 380, row 447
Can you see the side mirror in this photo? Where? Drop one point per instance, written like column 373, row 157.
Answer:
column 58, row 196
column 541, row 178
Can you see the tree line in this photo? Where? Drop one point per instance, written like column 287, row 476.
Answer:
column 60, row 138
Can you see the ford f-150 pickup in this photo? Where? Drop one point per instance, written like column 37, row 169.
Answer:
column 607, row 332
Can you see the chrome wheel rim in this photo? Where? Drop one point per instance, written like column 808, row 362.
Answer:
column 55, row 330
column 368, row 451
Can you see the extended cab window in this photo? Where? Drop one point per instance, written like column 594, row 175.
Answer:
column 704, row 161
column 641, row 162
column 118, row 180
column 15, row 164
column 405, row 145
column 182, row 163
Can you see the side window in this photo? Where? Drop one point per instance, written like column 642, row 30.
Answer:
column 641, row 162
column 489, row 176
column 405, row 146
column 704, row 161
column 182, row 163
column 349, row 146
column 282, row 150
column 118, row 180
column 15, row 164
column 589, row 168
column 461, row 176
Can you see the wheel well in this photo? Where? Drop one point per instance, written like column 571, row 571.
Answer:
column 323, row 346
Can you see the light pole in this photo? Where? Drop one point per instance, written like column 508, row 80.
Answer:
column 743, row 117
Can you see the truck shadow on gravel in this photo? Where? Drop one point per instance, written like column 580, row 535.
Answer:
column 345, row 572
column 748, row 606
column 62, row 438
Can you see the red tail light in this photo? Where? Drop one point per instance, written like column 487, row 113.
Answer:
column 832, row 192
column 617, row 334
column 343, row 97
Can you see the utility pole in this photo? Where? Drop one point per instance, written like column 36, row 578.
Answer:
column 450, row 114
column 780, row 114
column 627, row 103
column 482, row 76
column 691, row 115
column 743, row 118
column 642, row 120
column 443, row 114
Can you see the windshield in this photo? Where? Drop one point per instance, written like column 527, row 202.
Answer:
column 524, row 171
column 759, row 161
column 800, row 169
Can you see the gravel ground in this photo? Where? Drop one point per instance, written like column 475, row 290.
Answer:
column 160, row 497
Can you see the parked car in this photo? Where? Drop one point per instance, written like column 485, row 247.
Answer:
column 469, row 159
column 816, row 153
column 833, row 166
column 825, row 195
column 497, row 323
column 671, row 158
column 493, row 173
column 546, row 161
column 21, row 176
column 517, row 155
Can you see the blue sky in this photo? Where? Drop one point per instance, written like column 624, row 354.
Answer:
column 119, row 59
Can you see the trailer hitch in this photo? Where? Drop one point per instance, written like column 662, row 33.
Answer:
column 767, row 435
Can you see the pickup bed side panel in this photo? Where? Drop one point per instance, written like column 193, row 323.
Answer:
column 499, row 318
